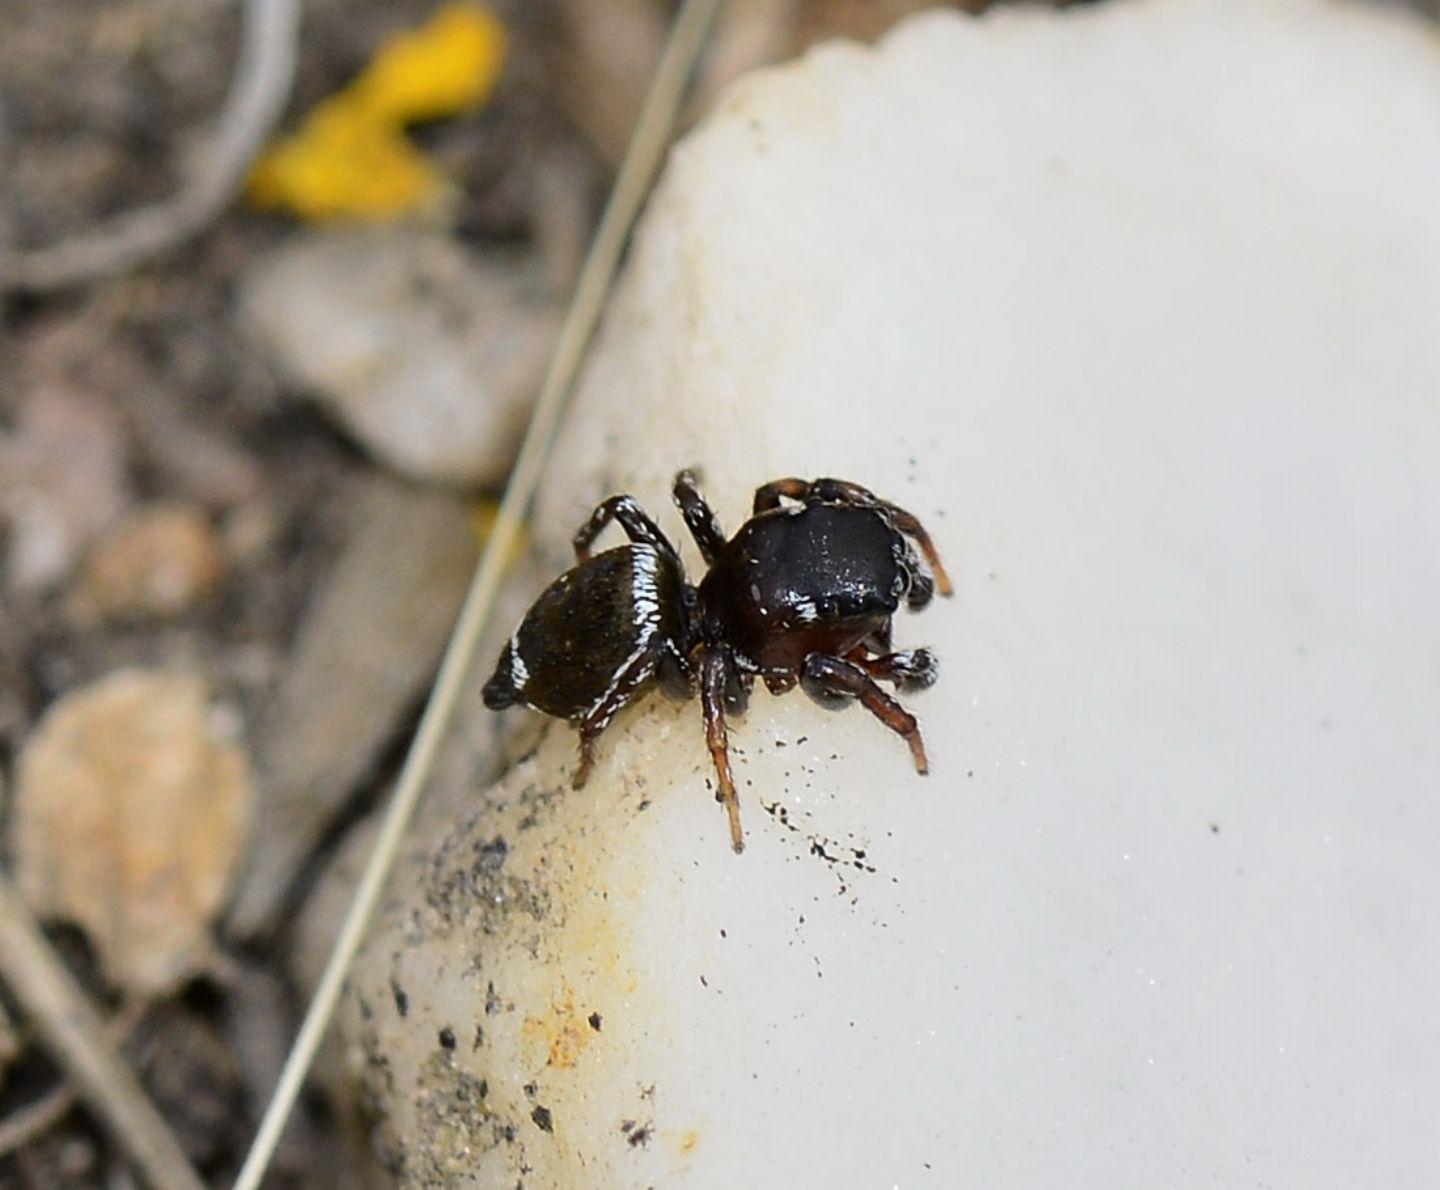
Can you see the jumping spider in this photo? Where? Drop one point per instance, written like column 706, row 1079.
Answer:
column 803, row 593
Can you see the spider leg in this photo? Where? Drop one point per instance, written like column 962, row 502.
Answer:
column 587, row 759
column 713, row 680
column 767, row 496
column 628, row 514
column 908, row 525
column 699, row 517
column 832, row 680
column 738, row 684
column 621, row 690
column 675, row 673
column 913, row 669
column 922, row 586
column 781, row 683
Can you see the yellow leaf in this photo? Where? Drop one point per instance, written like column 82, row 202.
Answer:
column 448, row 65
column 344, row 165
column 350, row 158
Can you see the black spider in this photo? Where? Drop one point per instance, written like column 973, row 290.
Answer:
column 803, row 593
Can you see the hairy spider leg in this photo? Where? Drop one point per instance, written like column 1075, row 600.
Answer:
column 713, row 679
column 620, row 691
column 842, row 491
column 908, row 525
column 922, row 586
column 830, row 679
column 781, row 683
column 738, row 685
column 767, row 496
column 913, row 669
column 699, row 518
column 627, row 513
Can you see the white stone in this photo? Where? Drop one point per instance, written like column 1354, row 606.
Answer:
column 1135, row 306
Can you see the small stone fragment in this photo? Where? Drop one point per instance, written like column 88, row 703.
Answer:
column 159, row 561
column 62, row 479
column 429, row 356
column 131, row 809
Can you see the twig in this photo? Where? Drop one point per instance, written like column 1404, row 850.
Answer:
column 25, row 1124
column 35, row 1119
column 263, row 76
column 652, row 135
column 75, row 1035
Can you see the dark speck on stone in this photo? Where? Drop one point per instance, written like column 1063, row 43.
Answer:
column 543, row 1119
column 595, row 1021
column 493, row 853
column 447, row 1038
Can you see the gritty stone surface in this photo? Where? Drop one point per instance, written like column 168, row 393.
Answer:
column 1134, row 305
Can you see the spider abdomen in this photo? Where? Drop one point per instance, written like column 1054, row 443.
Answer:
column 585, row 628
